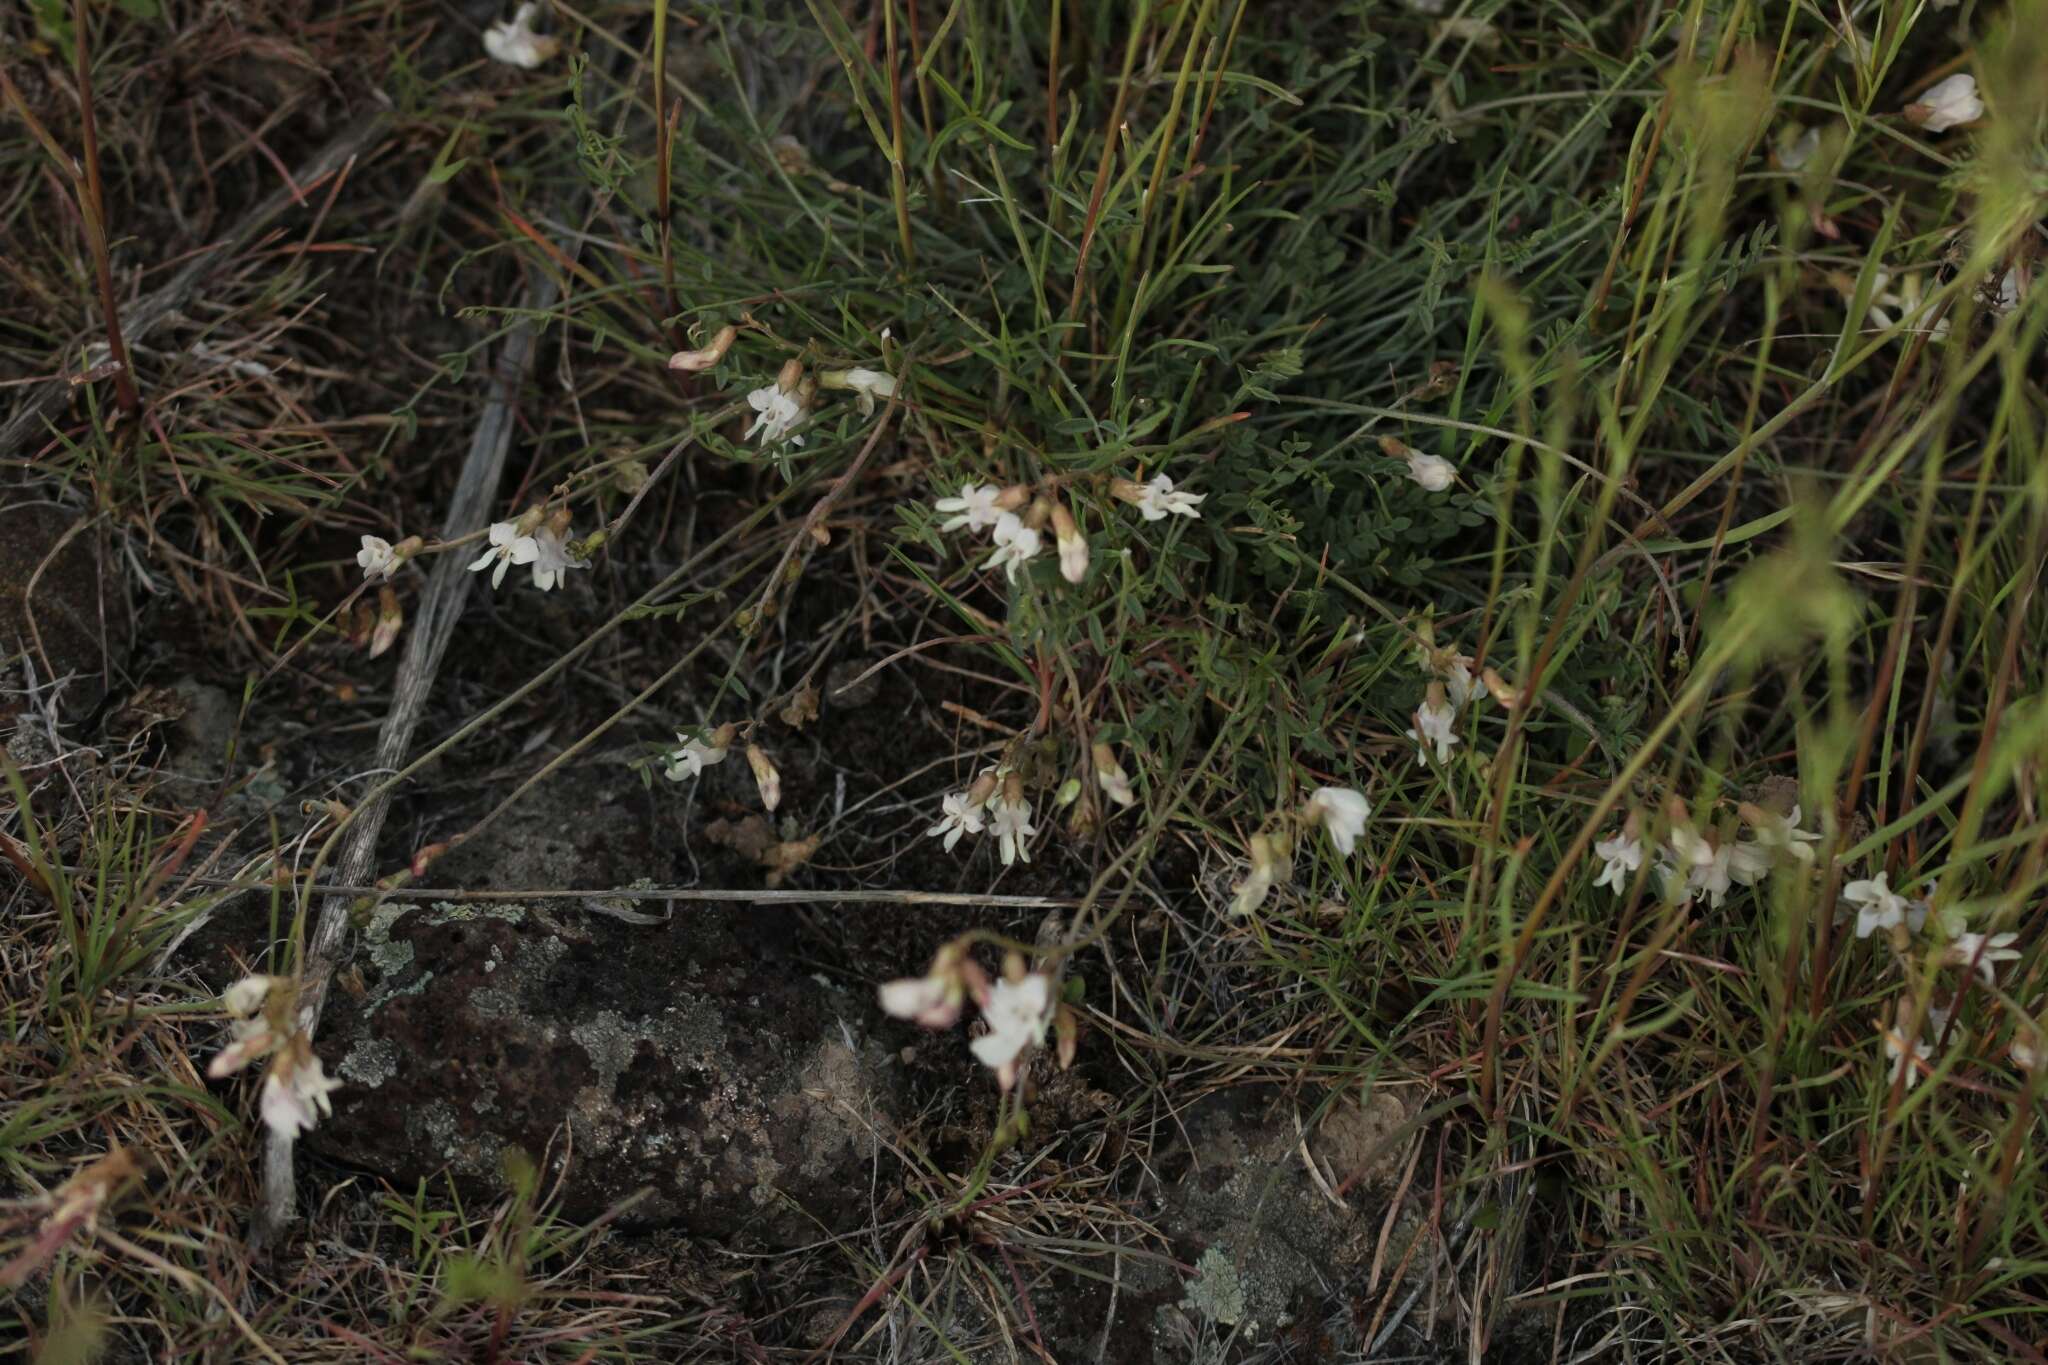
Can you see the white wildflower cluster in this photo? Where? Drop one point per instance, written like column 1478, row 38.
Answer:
column 1691, row 862
column 995, row 804
column 538, row 540
column 1017, row 1008
column 783, row 405
column 1018, row 520
column 516, row 42
column 295, row 1088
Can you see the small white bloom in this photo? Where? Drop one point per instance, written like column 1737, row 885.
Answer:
column 1983, row 953
column 1010, row 821
column 1459, row 681
column 1880, row 907
column 1714, row 868
column 931, row 1001
column 1342, row 811
column 1157, row 500
column 516, row 43
column 293, row 1103
column 248, row 1039
column 551, row 559
column 1017, row 1013
column 1431, row 471
column 867, row 386
column 1270, row 864
column 377, row 558
column 1433, row 725
column 1796, row 152
column 975, row 507
column 1947, row 103
column 1072, row 545
column 1110, row 774
column 1623, row 854
column 1015, row 542
column 692, row 758
column 1904, row 1059
column 961, row 816
column 1780, row 834
column 779, row 411
column 246, row 996
column 508, row 547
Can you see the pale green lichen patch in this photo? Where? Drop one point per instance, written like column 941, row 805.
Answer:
column 388, row 955
column 370, row 1063
column 1216, row 1292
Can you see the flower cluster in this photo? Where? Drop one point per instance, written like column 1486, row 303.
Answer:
column 995, row 804
column 538, row 540
column 1017, row 519
column 1341, row 811
column 295, row 1088
column 1017, row 1008
column 1692, row 862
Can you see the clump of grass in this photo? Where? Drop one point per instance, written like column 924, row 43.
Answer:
column 1746, row 509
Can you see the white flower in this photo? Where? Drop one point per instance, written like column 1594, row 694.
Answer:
column 1623, row 854
column 1459, row 681
column 1797, row 151
column 1431, row 471
column 377, row 559
column 1015, row 542
column 1115, row 782
column 1714, row 868
column 1010, row 821
column 779, row 410
column 294, row 1101
column 1982, row 952
column 246, row 996
column 961, row 816
column 1433, row 722
column 1072, row 545
column 1269, row 864
column 692, row 758
column 1017, row 1013
column 1880, row 907
column 1342, row 811
column 551, row 559
column 1947, row 103
column 1903, row 1058
column 508, row 547
column 1157, row 500
column 976, row 507
column 248, row 1039
column 867, row 386
column 516, row 44
column 1780, row 834
column 931, row 1001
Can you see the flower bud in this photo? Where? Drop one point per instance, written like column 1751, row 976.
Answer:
column 693, row 362
column 1115, row 782
column 1066, row 1027
column 1073, row 546
column 984, row 787
column 389, row 620
column 1013, row 497
column 1039, row 513
column 529, row 520
column 766, row 778
column 1507, row 696
column 790, row 376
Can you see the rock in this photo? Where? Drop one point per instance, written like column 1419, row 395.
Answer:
column 65, row 609
column 689, row 1056
column 1266, row 1252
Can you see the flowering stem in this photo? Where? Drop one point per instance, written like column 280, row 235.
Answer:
column 899, row 186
